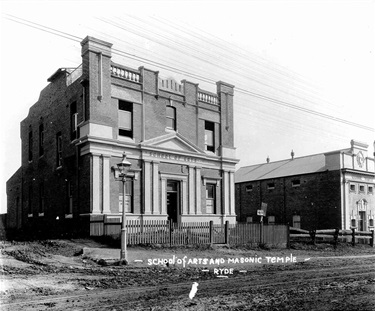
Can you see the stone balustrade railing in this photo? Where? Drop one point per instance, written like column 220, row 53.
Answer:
column 208, row 98
column 125, row 74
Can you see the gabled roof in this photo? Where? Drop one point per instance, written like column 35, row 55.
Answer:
column 297, row 166
column 173, row 141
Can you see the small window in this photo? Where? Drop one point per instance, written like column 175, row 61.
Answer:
column 271, row 186
column 249, row 188
column 361, row 188
column 58, row 149
column 271, row 220
column 352, row 187
column 297, row 221
column 296, row 183
column 125, row 119
column 249, row 219
column 210, row 198
column 371, row 222
column 128, row 196
column 209, row 136
column 30, row 143
column 171, row 117
column 370, row 190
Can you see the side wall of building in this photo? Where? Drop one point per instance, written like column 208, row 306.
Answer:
column 308, row 201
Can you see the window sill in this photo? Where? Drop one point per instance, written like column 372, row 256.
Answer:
column 59, row 168
column 68, row 216
column 40, row 214
column 30, row 215
column 126, row 138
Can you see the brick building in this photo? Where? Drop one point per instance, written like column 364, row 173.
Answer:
column 322, row 191
column 177, row 137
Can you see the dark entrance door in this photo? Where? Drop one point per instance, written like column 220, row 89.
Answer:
column 362, row 219
column 173, row 200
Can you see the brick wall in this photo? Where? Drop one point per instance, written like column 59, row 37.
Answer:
column 316, row 200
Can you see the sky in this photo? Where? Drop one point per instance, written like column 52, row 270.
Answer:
column 303, row 71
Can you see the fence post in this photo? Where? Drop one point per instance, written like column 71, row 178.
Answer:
column 226, row 232
column 372, row 238
column 336, row 237
column 353, row 237
column 288, row 236
column 211, row 232
column 312, row 235
column 170, row 232
column 105, row 225
column 261, row 232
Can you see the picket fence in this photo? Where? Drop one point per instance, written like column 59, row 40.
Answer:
column 166, row 232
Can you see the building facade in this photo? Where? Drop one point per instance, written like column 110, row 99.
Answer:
column 177, row 137
column 322, row 191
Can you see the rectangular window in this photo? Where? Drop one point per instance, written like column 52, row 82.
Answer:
column 58, row 149
column 41, row 198
column 352, row 187
column 297, row 221
column 73, row 121
column 128, row 196
column 171, row 118
column 69, row 192
column 296, row 183
column 210, row 198
column 125, row 119
column 361, row 188
column 30, row 211
column 249, row 188
column 271, row 220
column 370, row 190
column 209, row 136
column 30, row 144
column 249, row 219
column 271, row 186
column 41, row 139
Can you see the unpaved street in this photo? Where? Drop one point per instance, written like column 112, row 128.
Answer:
column 321, row 279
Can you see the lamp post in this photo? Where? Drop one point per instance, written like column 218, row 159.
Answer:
column 122, row 167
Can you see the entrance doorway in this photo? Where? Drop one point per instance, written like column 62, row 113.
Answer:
column 173, row 200
column 361, row 223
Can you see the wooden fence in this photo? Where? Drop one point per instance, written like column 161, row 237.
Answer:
column 353, row 236
column 166, row 232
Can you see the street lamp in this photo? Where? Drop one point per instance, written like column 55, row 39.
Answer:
column 122, row 168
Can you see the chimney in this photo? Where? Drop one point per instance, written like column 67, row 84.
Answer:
column 292, row 154
column 268, row 159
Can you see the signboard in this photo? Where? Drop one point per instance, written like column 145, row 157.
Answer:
column 264, row 208
column 260, row 212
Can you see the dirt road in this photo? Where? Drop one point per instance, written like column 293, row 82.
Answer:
column 344, row 282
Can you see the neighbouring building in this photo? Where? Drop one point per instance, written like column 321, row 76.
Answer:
column 177, row 137
column 321, row 191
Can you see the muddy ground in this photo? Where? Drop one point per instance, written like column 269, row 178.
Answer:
column 57, row 275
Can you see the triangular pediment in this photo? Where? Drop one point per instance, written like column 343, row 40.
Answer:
column 172, row 141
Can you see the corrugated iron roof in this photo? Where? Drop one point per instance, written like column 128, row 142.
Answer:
column 289, row 167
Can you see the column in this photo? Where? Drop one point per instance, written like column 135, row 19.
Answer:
column 198, row 208
column 147, row 187
column 155, row 188
column 163, row 196
column 231, row 192
column 225, row 198
column 191, row 191
column 95, row 194
column 184, row 194
column 105, row 184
